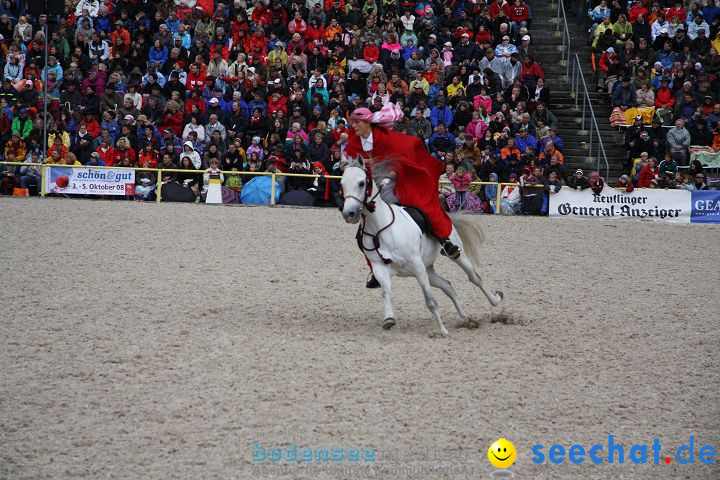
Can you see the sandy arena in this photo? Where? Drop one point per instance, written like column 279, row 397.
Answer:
column 163, row 341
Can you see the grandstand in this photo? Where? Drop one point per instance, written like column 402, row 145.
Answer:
column 268, row 88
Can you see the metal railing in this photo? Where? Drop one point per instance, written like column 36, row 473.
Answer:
column 274, row 176
column 576, row 83
column 562, row 28
column 578, row 88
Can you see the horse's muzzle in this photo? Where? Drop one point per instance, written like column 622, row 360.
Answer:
column 352, row 216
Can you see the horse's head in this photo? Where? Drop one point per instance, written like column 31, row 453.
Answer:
column 355, row 190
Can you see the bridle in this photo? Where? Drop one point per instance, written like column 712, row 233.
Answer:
column 370, row 206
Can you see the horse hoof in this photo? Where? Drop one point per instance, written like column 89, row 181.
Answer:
column 500, row 298
column 388, row 323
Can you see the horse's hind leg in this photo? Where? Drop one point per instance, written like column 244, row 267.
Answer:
column 422, row 277
column 382, row 274
column 493, row 297
column 444, row 285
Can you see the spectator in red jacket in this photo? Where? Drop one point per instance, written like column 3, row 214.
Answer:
column 637, row 9
column 531, row 72
column 498, row 9
column 371, row 53
column 196, row 78
column 519, row 15
column 664, row 97
column 314, row 31
column 276, row 102
column 260, row 14
column 648, row 173
column 148, row 156
column 91, row 124
column 678, row 11
column 624, row 183
column 172, row 119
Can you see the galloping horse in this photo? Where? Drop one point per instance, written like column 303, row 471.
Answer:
column 399, row 247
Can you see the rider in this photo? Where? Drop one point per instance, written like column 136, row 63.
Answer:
column 415, row 171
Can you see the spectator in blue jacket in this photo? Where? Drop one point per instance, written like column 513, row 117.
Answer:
column 526, row 143
column 552, row 137
column 158, row 53
column 441, row 140
column 441, row 113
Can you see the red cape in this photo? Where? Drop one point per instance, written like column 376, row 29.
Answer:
column 417, row 172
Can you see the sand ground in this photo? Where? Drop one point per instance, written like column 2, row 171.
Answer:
column 164, row 341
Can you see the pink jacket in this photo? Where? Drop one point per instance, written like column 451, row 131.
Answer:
column 461, row 183
column 478, row 102
column 476, row 128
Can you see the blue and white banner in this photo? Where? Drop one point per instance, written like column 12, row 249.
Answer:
column 677, row 206
column 705, row 206
column 89, row 181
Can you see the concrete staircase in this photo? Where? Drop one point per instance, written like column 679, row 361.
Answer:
column 548, row 44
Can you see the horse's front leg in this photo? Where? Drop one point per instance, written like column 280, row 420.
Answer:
column 382, row 274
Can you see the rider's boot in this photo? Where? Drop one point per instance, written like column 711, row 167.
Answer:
column 449, row 249
column 372, row 282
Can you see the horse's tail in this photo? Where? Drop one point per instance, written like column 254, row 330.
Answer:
column 471, row 235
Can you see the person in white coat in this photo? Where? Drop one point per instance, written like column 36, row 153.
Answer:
column 189, row 151
column 93, row 6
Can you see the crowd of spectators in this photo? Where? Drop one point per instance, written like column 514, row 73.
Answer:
column 659, row 62
column 269, row 86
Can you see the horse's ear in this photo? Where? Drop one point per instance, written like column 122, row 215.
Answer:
column 354, row 161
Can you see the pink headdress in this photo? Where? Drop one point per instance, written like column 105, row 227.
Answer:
column 386, row 117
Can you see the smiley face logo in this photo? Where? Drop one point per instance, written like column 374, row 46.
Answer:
column 501, row 453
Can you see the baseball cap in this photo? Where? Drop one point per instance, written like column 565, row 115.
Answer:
column 214, row 100
column 578, row 171
column 526, row 38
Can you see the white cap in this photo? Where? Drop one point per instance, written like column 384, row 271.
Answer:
column 448, row 44
column 526, row 38
column 214, row 100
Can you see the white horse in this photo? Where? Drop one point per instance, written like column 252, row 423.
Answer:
column 395, row 245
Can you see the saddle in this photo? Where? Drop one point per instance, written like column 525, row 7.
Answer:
column 420, row 218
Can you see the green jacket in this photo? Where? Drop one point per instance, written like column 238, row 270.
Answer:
column 23, row 130
column 62, row 47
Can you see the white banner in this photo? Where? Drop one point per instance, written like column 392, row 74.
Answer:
column 89, row 181
column 647, row 203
